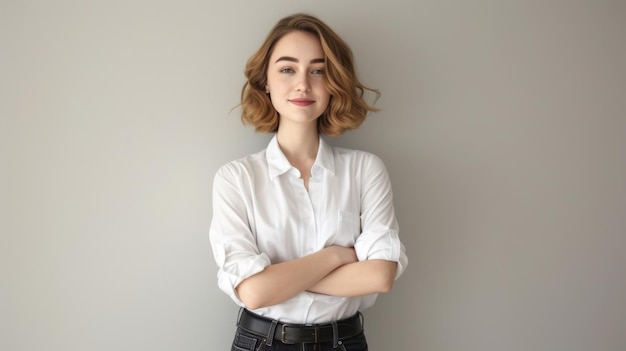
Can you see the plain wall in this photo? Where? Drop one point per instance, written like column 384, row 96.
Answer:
column 503, row 127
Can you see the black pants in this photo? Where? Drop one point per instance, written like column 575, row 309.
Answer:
column 245, row 341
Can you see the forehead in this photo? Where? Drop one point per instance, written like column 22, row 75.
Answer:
column 298, row 44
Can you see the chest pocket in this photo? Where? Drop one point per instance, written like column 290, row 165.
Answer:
column 348, row 228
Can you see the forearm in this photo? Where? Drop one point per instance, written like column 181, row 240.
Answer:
column 358, row 278
column 282, row 281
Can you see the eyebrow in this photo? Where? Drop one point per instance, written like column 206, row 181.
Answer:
column 293, row 59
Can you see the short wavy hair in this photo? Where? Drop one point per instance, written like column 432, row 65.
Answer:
column 347, row 108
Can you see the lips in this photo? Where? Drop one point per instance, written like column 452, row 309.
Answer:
column 302, row 101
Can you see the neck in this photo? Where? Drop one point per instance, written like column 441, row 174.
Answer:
column 298, row 144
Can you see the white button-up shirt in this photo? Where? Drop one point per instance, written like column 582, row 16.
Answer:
column 263, row 214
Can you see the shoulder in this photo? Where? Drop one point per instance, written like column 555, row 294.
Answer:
column 358, row 157
column 247, row 165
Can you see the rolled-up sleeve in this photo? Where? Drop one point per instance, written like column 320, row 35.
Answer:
column 379, row 237
column 233, row 242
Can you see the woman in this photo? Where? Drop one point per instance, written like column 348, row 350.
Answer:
column 304, row 234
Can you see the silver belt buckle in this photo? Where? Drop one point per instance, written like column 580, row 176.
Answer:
column 283, row 333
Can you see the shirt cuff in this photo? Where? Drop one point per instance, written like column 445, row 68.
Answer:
column 231, row 275
column 384, row 246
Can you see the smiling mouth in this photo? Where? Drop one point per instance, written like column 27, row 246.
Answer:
column 302, row 102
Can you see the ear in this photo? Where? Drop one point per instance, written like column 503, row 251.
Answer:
column 267, row 89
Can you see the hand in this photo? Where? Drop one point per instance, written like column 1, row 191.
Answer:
column 346, row 255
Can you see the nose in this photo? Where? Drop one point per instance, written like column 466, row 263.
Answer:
column 303, row 83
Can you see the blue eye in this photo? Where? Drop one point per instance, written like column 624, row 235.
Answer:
column 317, row 71
column 286, row 70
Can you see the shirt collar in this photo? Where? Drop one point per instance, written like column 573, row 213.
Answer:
column 278, row 163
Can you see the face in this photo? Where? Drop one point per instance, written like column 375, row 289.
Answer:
column 295, row 79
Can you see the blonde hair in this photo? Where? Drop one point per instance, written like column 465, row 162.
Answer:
column 347, row 108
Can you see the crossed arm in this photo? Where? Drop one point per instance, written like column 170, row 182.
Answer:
column 334, row 271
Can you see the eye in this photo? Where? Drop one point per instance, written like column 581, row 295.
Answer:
column 286, row 70
column 317, row 71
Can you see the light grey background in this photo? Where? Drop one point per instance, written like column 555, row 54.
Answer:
column 502, row 126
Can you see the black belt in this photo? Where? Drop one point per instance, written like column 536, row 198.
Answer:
column 301, row 333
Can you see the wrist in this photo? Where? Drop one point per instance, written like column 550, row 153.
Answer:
column 344, row 255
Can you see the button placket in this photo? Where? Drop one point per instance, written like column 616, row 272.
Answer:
column 307, row 214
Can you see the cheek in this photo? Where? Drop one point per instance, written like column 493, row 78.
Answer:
column 324, row 93
column 320, row 86
column 275, row 85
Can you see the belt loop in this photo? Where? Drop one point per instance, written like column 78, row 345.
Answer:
column 270, row 333
column 362, row 319
column 239, row 315
column 335, row 334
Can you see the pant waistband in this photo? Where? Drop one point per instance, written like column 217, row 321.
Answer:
column 300, row 333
